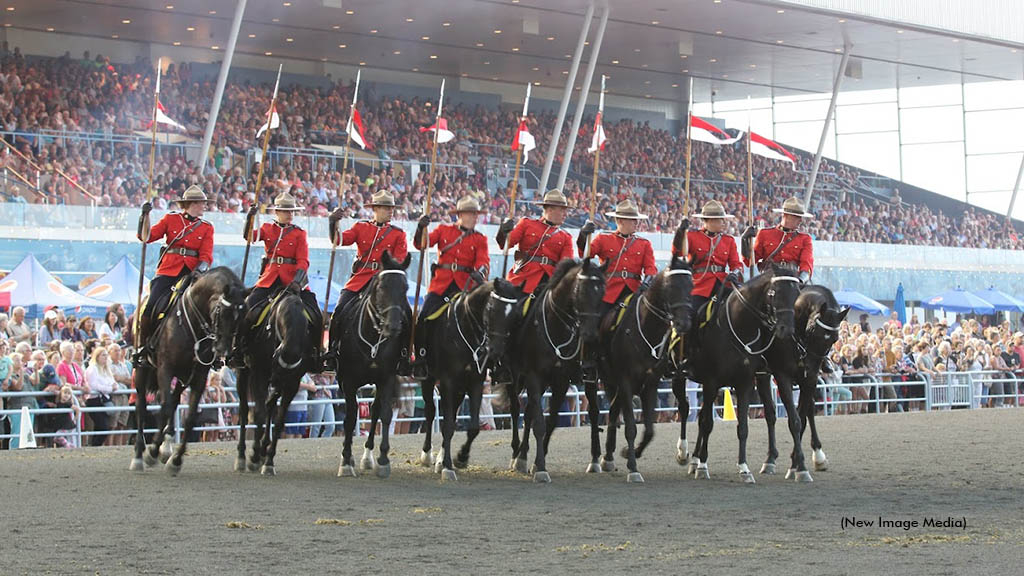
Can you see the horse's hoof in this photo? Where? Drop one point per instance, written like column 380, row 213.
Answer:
column 768, row 468
column 607, row 465
column 148, row 458
column 702, row 472
column 240, row 464
column 520, row 465
column 692, row 468
column 804, row 476
column 460, row 463
column 166, row 449
column 172, row 469
column 346, row 471
column 448, row 475
column 745, row 474
column 593, row 468
column 425, row 459
column 820, row 460
column 367, row 461
column 541, row 477
column 383, row 471
column 268, row 470
column 137, row 465
column 439, row 461
column 634, row 478
column 790, row 473
column 624, row 453
column 682, row 458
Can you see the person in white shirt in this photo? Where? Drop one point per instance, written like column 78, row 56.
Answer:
column 101, row 383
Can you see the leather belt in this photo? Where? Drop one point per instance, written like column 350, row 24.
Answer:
column 523, row 258
column 455, row 268
column 624, row 274
column 713, row 269
column 184, row 252
column 283, row 260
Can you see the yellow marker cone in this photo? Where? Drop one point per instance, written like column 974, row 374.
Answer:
column 728, row 412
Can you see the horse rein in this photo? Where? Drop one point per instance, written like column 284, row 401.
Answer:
column 664, row 316
column 766, row 320
column 208, row 328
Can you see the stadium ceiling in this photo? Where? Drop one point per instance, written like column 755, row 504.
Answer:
column 736, row 47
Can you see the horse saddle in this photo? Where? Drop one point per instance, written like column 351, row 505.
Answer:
column 613, row 317
column 312, row 309
column 444, row 307
column 161, row 306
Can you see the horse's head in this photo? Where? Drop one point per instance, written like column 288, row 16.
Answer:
column 223, row 296
column 674, row 285
column 587, row 295
column 389, row 294
column 782, row 291
column 823, row 318
column 501, row 304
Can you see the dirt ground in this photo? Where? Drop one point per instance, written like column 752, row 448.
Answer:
column 77, row 512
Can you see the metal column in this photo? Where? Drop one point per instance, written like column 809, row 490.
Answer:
column 222, row 79
column 577, row 116
column 824, row 129
column 1016, row 188
column 569, row 83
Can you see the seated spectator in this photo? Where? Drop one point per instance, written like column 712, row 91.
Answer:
column 87, row 329
column 48, row 331
column 70, row 333
column 17, row 330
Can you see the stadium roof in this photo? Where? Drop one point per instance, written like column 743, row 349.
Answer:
column 737, row 47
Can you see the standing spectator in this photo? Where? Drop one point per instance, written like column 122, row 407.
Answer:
column 121, row 368
column 18, row 381
column 87, row 329
column 100, row 380
column 17, row 330
column 322, row 416
column 49, row 331
column 296, row 416
column 71, row 373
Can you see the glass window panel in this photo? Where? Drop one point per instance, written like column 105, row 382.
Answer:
column 805, row 135
column 997, row 201
column 925, row 125
column 995, row 131
column 760, row 120
column 866, row 118
column 799, row 108
column 993, row 172
column 866, row 96
column 742, row 104
column 916, row 96
column 936, row 167
column 990, row 95
column 702, row 109
column 877, row 152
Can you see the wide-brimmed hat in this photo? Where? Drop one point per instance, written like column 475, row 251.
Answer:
column 193, row 193
column 381, row 198
column 628, row 210
column 793, row 206
column 467, row 204
column 712, row 209
column 553, row 197
column 285, row 202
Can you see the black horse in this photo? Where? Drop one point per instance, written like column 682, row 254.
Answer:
column 279, row 353
column 743, row 327
column 196, row 332
column 635, row 355
column 544, row 352
column 369, row 337
column 798, row 360
column 473, row 329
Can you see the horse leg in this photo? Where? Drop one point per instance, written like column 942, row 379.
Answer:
column 519, row 456
column 608, row 460
column 259, row 389
column 383, row 467
column 196, row 388
column 278, row 429
column 429, row 413
column 165, row 419
column 450, row 399
column 624, row 397
column 142, row 376
column 764, row 391
column 347, row 465
column 649, row 400
column 476, row 394
column 679, row 390
column 593, row 414
column 707, row 423
column 797, row 468
column 367, row 462
column 806, row 410
column 535, row 412
column 558, row 394
column 242, row 383
column 742, row 422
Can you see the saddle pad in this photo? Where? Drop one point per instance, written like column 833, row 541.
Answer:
column 622, row 311
column 440, row 311
column 708, row 309
column 270, row 304
column 179, row 287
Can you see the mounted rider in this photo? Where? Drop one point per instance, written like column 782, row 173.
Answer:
column 711, row 252
column 783, row 244
column 463, row 262
column 188, row 250
column 285, row 262
column 541, row 243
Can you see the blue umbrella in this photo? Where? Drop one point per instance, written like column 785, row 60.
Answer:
column 858, row 301
column 960, row 301
column 1000, row 300
column 900, row 304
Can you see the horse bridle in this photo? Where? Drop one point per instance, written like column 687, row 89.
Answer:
column 376, row 316
column 567, row 318
column 665, row 316
column 209, row 328
column 767, row 320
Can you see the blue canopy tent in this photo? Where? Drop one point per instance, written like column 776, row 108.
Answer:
column 411, row 293
column 959, row 301
column 900, row 304
column 318, row 285
column 35, row 289
column 1000, row 300
column 858, row 301
column 120, row 284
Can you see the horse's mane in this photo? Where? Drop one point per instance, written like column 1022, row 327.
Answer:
column 561, row 269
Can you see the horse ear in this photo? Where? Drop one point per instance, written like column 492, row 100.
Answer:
column 405, row 262
column 842, row 313
column 387, row 260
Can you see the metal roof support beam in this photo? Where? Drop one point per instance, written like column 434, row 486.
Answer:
column 1016, row 188
column 577, row 116
column 566, row 93
column 828, row 120
column 222, row 79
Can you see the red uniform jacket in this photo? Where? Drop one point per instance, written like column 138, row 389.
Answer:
column 626, row 268
column 798, row 252
column 194, row 236
column 468, row 255
column 541, row 247
column 706, row 270
column 366, row 235
column 287, row 252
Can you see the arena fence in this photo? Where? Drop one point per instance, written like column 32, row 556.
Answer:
column 880, row 393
